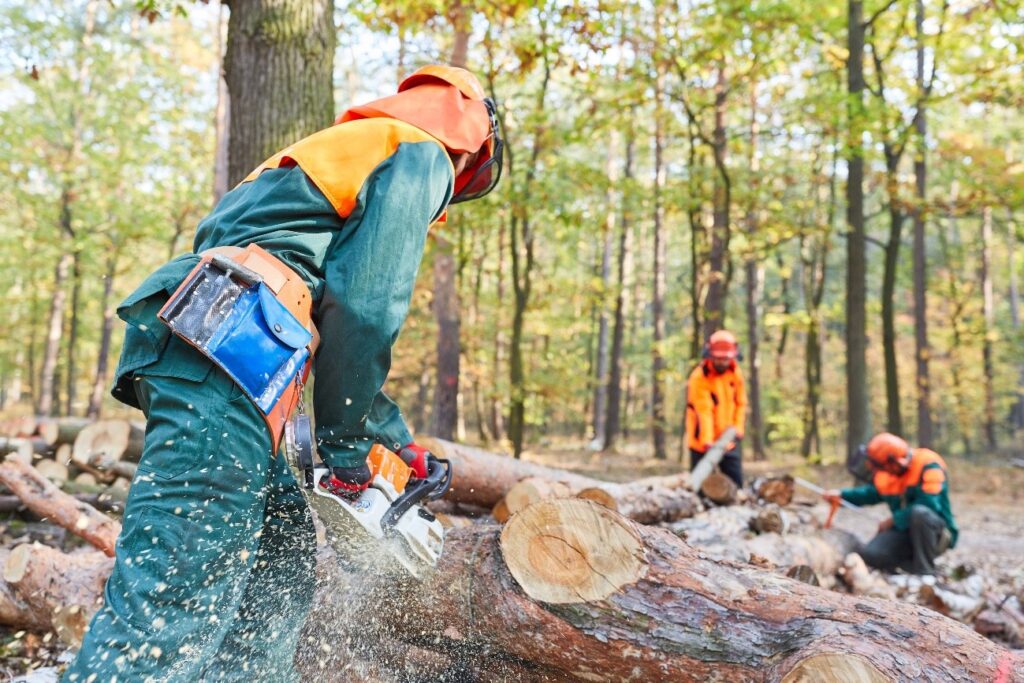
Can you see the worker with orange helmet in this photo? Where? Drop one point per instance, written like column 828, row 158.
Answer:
column 716, row 400
column 915, row 485
column 215, row 565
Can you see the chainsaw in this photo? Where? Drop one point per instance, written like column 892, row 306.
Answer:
column 388, row 519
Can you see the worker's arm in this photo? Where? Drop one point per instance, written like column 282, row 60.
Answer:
column 699, row 396
column 932, row 480
column 370, row 273
column 740, row 420
column 861, row 495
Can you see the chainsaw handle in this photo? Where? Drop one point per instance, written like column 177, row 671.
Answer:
column 834, row 505
column 433, row 486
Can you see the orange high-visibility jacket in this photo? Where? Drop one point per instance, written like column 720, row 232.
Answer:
column 714, row 402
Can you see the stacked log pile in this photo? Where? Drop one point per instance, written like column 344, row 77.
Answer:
column 586, row 580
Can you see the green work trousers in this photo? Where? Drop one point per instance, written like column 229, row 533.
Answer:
column 214, row 569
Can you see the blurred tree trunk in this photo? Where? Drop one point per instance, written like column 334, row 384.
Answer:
column 445, row 414
column 222, row 114
column 988, row 315
column 894, row 420
column 495, row 407
column 99, row 385
column 714, row 305
column 613, row 424
column 696, row 248
column 76, row 294
column 278, row 68
column 600, row 411
column 958, row 289
column 1018, row 407
column 858, row 417
column 755, row 287
column 658, row 268
column 925, row 436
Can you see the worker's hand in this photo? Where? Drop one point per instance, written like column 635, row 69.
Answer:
column 415, row 456
column 347, row 481
column 832, row 496
column 885, row 525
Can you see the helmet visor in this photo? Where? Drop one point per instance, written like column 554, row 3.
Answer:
column 487, row 174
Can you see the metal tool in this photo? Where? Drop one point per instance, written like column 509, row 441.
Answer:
column 388, row 516
column 835, row 504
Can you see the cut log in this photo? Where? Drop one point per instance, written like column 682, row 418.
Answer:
column 108, row 441
column 63, row 454
column 63, row 590
column 600, row 598
column 500, row 512
column 778, row 490
column 484, row 478
column 861, row 581
column 599, row 496
column 25, row 446
column 711, row 458
column 534, row 489
column 49, row 502
column 53, row 470
column 60, row 431
column 770, row 520
column 719, row 489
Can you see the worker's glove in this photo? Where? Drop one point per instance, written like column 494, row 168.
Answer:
column 347, row 482
column 415, row 457
column 832, row 496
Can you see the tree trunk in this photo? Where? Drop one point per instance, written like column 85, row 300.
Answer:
column 989, row 318
column 922, row 353
column 658, row 367
column 718, row 257
column 600, row 408
column 47, row 380
column 222, row 114
column 482, row 478
column 858, row 416
column 446, row 306
column 99, row 385
column 278, row 68
column 755, row 287
column 605, row 599
column 76, row 292
column 1018, row 407
column 613, row 423
column 894, row 420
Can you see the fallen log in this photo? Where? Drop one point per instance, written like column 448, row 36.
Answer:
column 484, row 478
column 49, row 502
column 55, row 590
column 778, row 490
column 711, row 458
column 578, row 589
column 719, row 489
column 107, row 441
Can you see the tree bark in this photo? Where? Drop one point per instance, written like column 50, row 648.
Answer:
column 605, row 599
column 658, row 366
column 755, row 290
column 601, row 379
column 46, row 500
column 922, row 353
column 72, row 350
column 47, row 380
column 613, row 423
column 222, row 113
column 99, row 385
column 894, row 419
column 989, row 318
column 858, row 416
column 718, row 256
column 278, row 68
column 482, row 478
column 109, row 440
column 1015, row 317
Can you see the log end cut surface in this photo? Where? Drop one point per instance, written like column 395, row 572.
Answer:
column 835, row 668
column 571, row 552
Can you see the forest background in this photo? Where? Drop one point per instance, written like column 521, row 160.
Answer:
column 840, row 183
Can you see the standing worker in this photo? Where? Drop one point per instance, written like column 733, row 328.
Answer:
column 914, row 483
column 214, row 567
column 716, row 400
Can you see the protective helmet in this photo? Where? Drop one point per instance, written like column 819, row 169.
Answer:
column 886, row 450
column 722, row 345
column 450, row 104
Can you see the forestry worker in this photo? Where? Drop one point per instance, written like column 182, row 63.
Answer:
column 914, row 483
column 214, row 567
column 716, row 400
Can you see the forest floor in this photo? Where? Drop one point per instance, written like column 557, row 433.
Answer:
column 988, row 498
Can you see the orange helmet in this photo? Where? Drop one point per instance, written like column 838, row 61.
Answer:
column 722, row 345
column 449, row 103
column 886, row 450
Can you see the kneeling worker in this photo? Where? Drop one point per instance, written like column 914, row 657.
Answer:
column 914, row 483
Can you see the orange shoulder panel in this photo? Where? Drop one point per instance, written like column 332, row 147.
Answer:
column 888, row 484
column 339, row 159
column 931, row 480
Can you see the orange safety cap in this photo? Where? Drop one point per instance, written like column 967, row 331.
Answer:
column 885, row 448
column 722, row 345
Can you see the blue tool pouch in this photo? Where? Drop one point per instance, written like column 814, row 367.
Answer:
column 234, row 319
